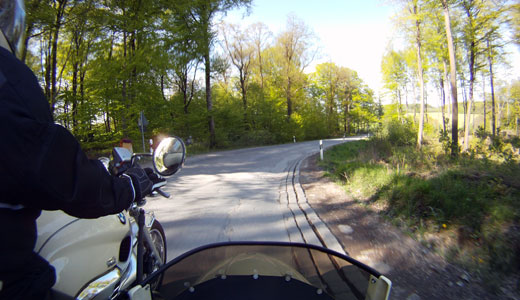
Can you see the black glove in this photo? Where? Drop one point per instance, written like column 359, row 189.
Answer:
column 142, row 184
column 153, row 177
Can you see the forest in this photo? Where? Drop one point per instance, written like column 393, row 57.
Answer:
column 455, row 55
column 102, row 63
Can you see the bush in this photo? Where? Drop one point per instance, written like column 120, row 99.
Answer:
column 400, row 134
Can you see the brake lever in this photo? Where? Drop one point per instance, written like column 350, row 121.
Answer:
column 162, row 193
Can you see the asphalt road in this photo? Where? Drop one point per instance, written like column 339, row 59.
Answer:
column 248, row 194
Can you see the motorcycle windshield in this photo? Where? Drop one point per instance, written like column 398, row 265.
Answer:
column 238, row 270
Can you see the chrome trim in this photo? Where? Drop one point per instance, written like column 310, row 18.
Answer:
column 130, row 274
column 150, row 217
column 148, row 238
column 102, row 287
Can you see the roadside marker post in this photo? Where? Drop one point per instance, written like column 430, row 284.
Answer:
column 321, row 149
column 294, row 138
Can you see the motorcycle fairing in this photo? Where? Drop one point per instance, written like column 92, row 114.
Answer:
column 83, row 249
column 321, row 270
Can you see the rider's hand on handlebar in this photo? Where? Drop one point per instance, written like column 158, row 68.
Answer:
column 154, row 177
column 140, row 181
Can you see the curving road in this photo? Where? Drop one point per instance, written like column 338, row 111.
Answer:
column 246, row 194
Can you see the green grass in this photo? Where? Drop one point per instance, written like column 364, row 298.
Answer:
column 474, row 200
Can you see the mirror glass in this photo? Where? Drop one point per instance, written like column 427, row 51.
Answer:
column 169, row 156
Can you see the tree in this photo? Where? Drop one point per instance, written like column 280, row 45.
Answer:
column 197, row 18
column 418, row 19
column 515, row 20
column 453, row 81
column 414, row 16
column 240, row 51
column 327, row 82
column 295, row 54
column 515, row 98
column 260, row 36
column 480, row 16
column 494, row 49
column 350, row 89
column 393, row 67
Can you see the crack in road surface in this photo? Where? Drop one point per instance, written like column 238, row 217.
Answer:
column 312, row 229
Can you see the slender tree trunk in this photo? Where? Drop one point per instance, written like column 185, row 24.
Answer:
column 399, row 105
column 406, row 100
column 464, row 99
column 446, row 80
column 107, row 108
column 162, row 88
column 209, row 101
column 443, row 98
column 47, row 75
column 75, row 98
column 420, row 72
column 124, row 94
column 470, row 103
column 484, row 96
column 453, row 81
column 426, row 106
column 414, row 93
column 289, row 100
column 493, row 113
column 244, row 96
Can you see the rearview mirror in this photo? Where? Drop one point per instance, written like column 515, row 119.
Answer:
column 169, row 156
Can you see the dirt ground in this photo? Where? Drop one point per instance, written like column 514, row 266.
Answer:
column 415, row 271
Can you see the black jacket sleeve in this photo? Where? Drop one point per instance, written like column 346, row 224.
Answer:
column 41, row 164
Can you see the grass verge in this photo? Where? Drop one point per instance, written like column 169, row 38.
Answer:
column 467, row 209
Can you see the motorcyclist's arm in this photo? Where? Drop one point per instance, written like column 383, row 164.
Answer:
column 42, row 165
column 77, row 185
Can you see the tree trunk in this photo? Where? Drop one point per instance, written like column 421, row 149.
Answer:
column 244, row 96
column 124, row 94
column 75, row 98
column 60, row 10
column 493, row 113
column 484, row 95
column 446, row 80
column 289, row 100
column 453, row 81
column 469, row 100
column 420, row 72
column 464, row 99
column 399, row 112
column 209, row 101
column 443, row 98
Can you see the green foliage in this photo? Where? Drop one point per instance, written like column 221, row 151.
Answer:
column 445, row 141
column 471, row 197
column 118, row 59
column 400, row 133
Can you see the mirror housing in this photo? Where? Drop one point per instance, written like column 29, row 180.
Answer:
column 169, row 156
column 121, row 154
